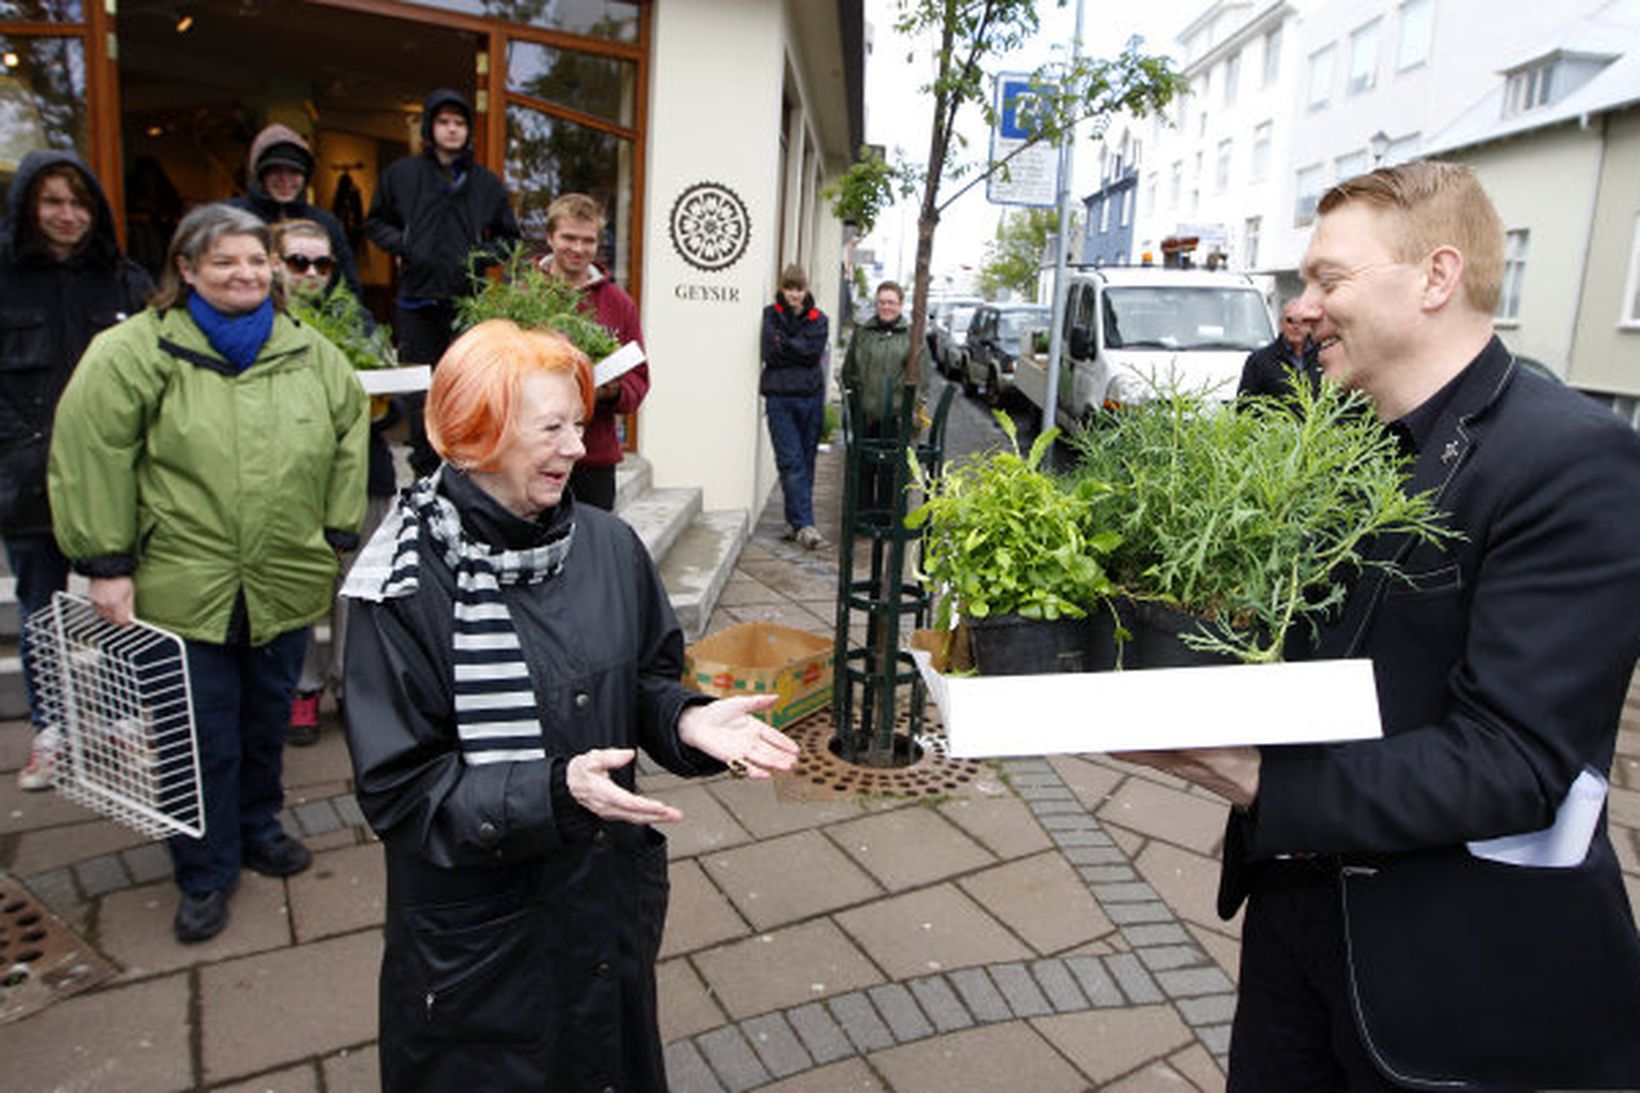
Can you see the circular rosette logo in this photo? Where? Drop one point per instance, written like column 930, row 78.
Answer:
column 710, row 226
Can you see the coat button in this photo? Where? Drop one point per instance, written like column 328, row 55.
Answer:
column 600, row 837
column 486, row 831
column 582, row 700
column 602, row 970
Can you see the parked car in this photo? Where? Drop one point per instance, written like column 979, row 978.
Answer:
column 992, row 350
column 947, row 323
column 1129, row 330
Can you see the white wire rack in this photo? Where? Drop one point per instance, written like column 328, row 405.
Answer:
column 120, row 698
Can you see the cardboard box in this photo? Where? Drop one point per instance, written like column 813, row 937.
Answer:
column 1067, row 714
column 760, row 657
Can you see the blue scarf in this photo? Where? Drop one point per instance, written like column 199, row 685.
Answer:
column 239, row 338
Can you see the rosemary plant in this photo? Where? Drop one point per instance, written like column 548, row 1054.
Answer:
column 1006, row 537
column 1257, row 518
column 343, row 321
column 535, row 300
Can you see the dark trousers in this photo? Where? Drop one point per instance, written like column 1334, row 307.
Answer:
column 241, row 697
column 424, row 334
column 794, row 430
column 1294, row 1029
column 593, row 486
column 40, row 570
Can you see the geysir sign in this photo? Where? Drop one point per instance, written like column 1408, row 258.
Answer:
column 710, row 230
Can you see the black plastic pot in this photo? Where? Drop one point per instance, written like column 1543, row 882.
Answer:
column 1156, row 641
column 1011, row 645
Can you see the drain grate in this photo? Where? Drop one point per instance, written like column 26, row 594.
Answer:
column 40, row 958
column 821, row 774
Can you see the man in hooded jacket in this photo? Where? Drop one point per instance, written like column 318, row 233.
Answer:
column 62, row 279
column 430, row 212
column 277, row 173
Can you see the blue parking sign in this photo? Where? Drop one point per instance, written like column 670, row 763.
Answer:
column 1020, row 108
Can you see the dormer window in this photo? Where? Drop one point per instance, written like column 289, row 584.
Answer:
column 1529, row 88
column 1548, row 80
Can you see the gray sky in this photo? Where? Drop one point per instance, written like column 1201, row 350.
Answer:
column 898, row 114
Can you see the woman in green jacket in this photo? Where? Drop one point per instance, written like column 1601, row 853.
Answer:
column 207, row 464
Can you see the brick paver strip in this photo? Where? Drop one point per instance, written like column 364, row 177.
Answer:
column 820, row 1033
column 1136, row 982
column 1209, row 1009
column 101, row 875
column 1058, row 984
column 941, row 1004
column 1024, row 997
column 1078, row 821
column 687, row 1072
column 1193, row 981
column 1084, row 857
column 1136, row 892
column 860, row 1022
column 1058, row 806
column 1160, row 958
column 732, row 1058
column 776, row 1044
column 55, row 888
column 1096, row 982
column 980, row 995
column 1216, row 1039
column 318, row 818
column 347, row 807
column 1126, row 914
column 1091, row 837
column 1108, row 874
column 147, row 863
column 900, row 1010
column 1163, row 933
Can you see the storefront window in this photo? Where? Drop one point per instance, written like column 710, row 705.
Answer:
column 548, row 156
column 42, row 99
column 601, row 86
column 41, row 11
column 612, row 19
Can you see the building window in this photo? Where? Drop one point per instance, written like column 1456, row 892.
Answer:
column 1363, row 58
column 1255, row 225
column 1260, row 166
column 1178, row 182
column 1631, row 292
column 1321, row 78
column 1529, row 88
column 1272, row 56
column 1514, row 272
column 1104, row 214
column 1221, row 177
column 1128, row 196
column 1351, row 165
column 1308, row 188
column 1150, row 192
column 1232, row 77
column 1417, row 27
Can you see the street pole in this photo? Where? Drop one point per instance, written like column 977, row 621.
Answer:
column 1056, row 335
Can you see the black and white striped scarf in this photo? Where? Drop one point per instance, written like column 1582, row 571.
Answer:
column 496, row 718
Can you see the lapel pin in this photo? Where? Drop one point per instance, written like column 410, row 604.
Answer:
column 1450, row 452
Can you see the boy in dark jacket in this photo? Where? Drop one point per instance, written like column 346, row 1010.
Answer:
column 62, row 279
column 430, row 212
column 794, row 396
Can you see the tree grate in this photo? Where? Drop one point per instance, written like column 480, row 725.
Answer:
column 41, row 960
column 821, row 774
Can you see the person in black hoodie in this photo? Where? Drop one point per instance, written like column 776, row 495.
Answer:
column 794, row 395
column 277, row 172
column 430, row 212
column 62, row 279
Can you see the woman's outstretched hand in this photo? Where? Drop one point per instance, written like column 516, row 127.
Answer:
column 727, row 731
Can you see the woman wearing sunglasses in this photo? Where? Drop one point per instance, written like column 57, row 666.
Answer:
column 316, row 295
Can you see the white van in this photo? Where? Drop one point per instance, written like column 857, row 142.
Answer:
column 1132, row 329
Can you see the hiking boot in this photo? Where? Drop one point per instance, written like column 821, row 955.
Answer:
column 809, row 538
column 200, row 917
column 304, row 719
column 283, row 857
column 41, row 769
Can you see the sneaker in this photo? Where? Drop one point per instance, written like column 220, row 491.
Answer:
column 789, row 534
column 41, row 769
column 809, row 538
column 304, row 719
column 200, row 917
column 283, row 857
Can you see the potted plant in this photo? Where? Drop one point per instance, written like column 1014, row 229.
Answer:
column 1239, row 524
column 525, row 293
column 1013, row 552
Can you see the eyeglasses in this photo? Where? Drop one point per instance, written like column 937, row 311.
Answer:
column 301, row 263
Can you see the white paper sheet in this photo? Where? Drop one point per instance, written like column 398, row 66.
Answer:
column 617, row 364
column 395, row 381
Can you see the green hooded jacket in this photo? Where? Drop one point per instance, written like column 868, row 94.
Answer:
column 877, row 350
column 202, row 482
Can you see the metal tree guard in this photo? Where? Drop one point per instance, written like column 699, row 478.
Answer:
column 868, row 677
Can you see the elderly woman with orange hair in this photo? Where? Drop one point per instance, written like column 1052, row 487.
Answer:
column 509, row 652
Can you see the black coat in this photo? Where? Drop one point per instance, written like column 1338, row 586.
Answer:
column 1502, row 670
column 794, row 343
column 1268, row 369
column 49, row 311
column 432, row 219
column 521, row 931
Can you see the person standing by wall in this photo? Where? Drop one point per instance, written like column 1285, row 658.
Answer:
column 62, row 279
column 430, row 212
column 575, row 224
column 794, row 396
column 1442, row 907
column 277, row 173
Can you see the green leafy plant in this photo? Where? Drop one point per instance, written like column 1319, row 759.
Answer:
column 1006, row 537
column 343, row 321
column 535, row 300
column 1253, row 518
